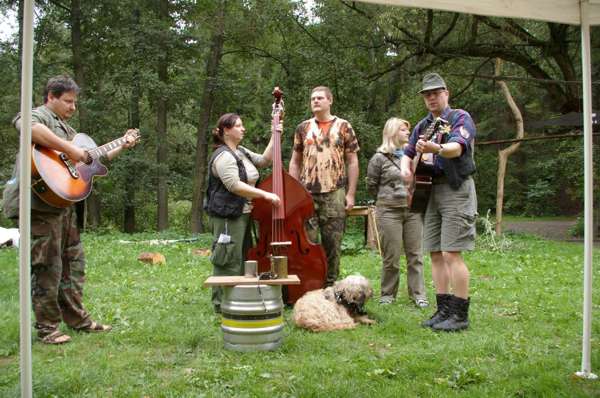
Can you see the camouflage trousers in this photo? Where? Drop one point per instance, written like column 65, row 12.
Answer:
column 329, row 220
column 57, row 271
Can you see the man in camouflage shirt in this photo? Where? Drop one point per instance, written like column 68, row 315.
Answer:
column 325, row 161
column 57, row 258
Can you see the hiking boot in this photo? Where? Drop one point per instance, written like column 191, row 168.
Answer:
column 459, row 316
column 442, row 312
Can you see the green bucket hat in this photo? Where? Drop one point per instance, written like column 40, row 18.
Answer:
column 432, row 81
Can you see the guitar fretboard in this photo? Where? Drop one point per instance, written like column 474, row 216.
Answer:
column 432, row 128
column 104, row 149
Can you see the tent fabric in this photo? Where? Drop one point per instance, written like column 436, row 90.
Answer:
column 561, row 11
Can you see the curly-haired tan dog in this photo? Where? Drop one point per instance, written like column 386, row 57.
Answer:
column 336, row 307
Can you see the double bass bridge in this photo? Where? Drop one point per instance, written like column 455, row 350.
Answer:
column 281, row 244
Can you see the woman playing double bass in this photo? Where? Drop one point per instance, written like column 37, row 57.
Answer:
column 232, row 175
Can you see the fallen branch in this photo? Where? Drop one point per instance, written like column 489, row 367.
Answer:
column 159, row 241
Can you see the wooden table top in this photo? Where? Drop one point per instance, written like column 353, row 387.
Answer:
column 242, row 280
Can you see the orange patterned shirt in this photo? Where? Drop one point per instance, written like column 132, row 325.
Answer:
column 323, row 146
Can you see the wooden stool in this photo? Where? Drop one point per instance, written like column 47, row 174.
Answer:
column 371, row 233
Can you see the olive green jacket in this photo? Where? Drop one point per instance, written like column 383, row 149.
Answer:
column 385, row 182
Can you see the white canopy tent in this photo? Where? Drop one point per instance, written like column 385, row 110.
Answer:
column 574, row 12
column 561, row 11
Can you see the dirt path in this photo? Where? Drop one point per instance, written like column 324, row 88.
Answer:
column 555, row 230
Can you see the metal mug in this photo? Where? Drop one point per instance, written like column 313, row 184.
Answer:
column 279, row 266
column 250, row 268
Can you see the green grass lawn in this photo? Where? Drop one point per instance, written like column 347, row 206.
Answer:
column 537, row 218
column 524, row 340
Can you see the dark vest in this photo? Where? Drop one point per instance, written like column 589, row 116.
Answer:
column 457, row 170
column 219, row 202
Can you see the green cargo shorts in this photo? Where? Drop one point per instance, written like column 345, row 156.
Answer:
column 449, row 223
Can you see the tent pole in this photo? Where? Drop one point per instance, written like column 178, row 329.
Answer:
column 25, row 201
column 586, row 367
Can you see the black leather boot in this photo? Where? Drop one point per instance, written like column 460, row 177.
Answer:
column 459, row 316
column 442, row 313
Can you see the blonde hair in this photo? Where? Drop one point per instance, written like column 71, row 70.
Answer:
column 392, row 125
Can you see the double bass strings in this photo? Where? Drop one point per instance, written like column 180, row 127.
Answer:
column 277, row 216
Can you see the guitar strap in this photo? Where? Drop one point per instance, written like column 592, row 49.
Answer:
column 391, row 158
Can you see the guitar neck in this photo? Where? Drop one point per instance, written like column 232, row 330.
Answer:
column 104, row 149
column 427, row 135
column 432, row 128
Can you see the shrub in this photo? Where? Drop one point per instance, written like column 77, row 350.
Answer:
column 577, row 229
column 488, row 239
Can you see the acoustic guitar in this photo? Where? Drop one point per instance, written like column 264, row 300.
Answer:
column 59, row 181
column 422, row 170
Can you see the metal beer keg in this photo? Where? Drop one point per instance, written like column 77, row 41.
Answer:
column 252, row 317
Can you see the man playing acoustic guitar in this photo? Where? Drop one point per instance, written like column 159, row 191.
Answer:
column 57, row 258
column 449, row 225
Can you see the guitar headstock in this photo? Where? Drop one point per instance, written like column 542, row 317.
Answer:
column 132, row 137
column 433, row 127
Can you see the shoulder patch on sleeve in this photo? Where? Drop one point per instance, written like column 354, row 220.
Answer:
column 464, row 133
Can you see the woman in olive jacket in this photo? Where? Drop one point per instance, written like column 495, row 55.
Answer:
column 399, row 228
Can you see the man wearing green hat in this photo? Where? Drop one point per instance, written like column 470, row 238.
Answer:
column 449, row 224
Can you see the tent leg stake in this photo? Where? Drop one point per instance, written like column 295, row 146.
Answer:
column 585, row 375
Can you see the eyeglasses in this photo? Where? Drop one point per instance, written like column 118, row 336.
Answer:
column 433, row 93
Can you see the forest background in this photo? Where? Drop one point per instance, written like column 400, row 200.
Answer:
column 172, row 67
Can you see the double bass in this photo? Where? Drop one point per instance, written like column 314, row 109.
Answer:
column 281, row 230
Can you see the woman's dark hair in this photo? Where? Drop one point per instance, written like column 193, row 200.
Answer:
column 58, row 85
column 226, row 121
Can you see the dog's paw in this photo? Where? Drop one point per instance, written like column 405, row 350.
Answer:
column 365, row 320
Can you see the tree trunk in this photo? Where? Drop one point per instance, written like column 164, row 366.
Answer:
column 134, row 109
column 208, row 95
column 91, row 211
column 161, row 123
column 78, row 62
column 129, row 225
column 506, row 152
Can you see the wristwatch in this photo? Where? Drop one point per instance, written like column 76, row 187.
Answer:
column 439, row 152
